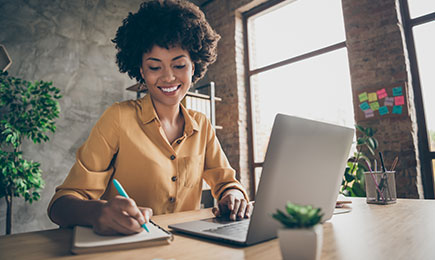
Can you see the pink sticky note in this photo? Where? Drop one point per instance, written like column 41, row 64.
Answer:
column 400, row 100
column 382, row 93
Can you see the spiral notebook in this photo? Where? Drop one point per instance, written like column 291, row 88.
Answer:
column 85, row 240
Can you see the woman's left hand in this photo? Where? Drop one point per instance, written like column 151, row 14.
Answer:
column 233, row 205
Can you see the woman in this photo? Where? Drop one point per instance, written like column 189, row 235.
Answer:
column 157, row 149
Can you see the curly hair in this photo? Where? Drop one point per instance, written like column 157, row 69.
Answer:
column 165, row 23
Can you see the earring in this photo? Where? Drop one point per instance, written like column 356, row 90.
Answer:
column 142, row 86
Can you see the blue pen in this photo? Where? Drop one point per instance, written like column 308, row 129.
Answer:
column 124, row 194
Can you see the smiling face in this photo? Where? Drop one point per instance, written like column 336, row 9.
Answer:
column 167, row 74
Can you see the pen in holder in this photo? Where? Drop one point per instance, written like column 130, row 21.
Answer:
column 380, row 187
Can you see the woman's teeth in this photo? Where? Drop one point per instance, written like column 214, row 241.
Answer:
column 169, row 89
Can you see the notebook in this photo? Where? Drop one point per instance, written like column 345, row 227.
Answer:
column 304, row 164
column 85, row 240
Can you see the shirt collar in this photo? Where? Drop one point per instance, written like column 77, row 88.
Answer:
column 149, row 114
column 190, row 123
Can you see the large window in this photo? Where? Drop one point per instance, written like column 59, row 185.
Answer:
column 298, row 65
column 419, row 21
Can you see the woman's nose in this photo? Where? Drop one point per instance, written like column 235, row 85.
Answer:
column 168, row 75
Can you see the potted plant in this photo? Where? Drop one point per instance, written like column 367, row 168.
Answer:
column 27, row 110
column 302, row 235
column 353, row 183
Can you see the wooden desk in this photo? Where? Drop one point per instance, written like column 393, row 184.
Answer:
column 405, row 230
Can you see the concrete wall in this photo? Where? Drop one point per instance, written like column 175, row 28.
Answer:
column 67, row 42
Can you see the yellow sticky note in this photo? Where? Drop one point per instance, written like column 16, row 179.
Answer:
column 374, row 106
column 373, row 97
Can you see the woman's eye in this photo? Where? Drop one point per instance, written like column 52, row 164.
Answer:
column 154, row 68
column 180, row 66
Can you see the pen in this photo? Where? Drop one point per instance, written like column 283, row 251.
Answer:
column 396, row 160
column 384, row 181
column 124, row 194
column 382, row 162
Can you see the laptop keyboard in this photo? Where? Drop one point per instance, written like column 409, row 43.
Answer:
column 239, row 229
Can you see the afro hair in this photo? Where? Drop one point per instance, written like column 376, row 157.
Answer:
column 165, row 23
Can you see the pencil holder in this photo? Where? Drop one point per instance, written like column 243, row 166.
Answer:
column 381, row 187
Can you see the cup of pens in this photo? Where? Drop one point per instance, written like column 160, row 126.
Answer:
column 381, row 187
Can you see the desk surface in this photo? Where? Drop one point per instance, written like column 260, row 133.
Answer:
column 404, row 230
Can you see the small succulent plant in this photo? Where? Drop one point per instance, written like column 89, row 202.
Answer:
column 298, row 216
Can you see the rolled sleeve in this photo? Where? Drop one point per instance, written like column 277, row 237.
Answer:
column 218, row 174
column 92, row 170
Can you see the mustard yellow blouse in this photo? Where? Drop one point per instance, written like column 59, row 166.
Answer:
column 128, row 143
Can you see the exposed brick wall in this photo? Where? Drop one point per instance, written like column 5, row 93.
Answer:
column 229, row 75
column 377, row 57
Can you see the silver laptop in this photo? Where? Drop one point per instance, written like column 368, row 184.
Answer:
column 304, row 164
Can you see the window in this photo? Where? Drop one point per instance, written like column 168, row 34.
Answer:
column 419, row 22
column 425, row 50
column 298, row 65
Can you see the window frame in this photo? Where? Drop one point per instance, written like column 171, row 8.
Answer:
column 251, row 72
column 425, row 154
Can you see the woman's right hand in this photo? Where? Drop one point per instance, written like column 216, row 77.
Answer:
column 120, row 215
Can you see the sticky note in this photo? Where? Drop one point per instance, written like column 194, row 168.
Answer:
column 369, row 113
column 383, row 110
column 363, row 97
column 400, row 100
column 397, row 110
column 374, row 106
column 373, row 97
column 397, row 91
column 381, row 93
column 389, row 101
column 364, row 106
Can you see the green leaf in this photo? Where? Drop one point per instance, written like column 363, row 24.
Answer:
column 27, row 111
column 358, row 190
column 299, row 216
column 349, row 177
column 361, row 141
column 360, row 128
column 374, row 143
column 369, row 131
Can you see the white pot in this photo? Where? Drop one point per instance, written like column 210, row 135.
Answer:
column 301, row 243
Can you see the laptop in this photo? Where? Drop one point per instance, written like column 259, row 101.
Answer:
column 304, row 164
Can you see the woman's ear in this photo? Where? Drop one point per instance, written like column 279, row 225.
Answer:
column 141, row 73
